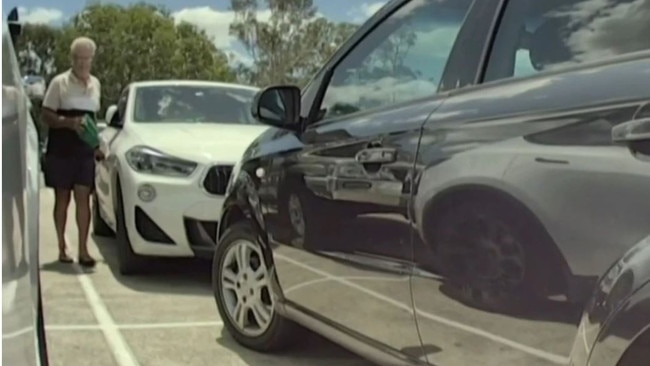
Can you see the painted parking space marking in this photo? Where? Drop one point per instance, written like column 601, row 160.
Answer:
column 17, row 333
column 350, row 278
column 119, row 347
column 82, row 327
column 116, row 342
column 548, row 356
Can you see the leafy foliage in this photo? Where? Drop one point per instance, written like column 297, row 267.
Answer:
column 288, row 47
column 36, row 49
column 142, row 42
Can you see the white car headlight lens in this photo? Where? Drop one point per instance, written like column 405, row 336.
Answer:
column 147, row 160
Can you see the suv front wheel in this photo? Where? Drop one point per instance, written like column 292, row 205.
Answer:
column 241, row 284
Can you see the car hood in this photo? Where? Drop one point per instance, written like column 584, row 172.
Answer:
column 200, row 142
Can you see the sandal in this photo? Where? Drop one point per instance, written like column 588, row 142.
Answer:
column 64, row 258
column 87, row 262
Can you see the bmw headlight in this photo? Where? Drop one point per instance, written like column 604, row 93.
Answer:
column 150, row 161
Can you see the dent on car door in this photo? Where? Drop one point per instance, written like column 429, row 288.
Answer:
column 522, row 195
column 342, row 199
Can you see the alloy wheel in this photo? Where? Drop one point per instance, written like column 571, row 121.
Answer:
column 245, row 288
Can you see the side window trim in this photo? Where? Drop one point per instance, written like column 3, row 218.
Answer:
column 354, row 41
column 478, row 11
column 490, row 40
column 343, row 52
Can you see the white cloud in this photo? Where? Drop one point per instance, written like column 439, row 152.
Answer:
column 608, row 29
column 39, row 15
column 365, row 11
column 381, row 92
column 216, row 24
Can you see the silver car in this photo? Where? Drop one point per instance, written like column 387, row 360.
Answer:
column 34, row 86
column 23, row 335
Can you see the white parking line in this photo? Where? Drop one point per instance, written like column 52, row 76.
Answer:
column 81, row 327
column 170, row 325
column 121, row 350
column 558, row 359
column 116, row 342
column 351, row 278
column 71, row 327
column 17, row 333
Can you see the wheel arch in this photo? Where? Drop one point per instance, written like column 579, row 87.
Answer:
column 230, row 215
column 447, row 198
column 238, row 207
column 236, row 210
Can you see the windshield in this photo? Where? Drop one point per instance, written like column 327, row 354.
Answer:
column 193, row 103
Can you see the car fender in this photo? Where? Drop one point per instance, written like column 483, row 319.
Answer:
column 622, row 328
column 461, row 170
column 243, row 202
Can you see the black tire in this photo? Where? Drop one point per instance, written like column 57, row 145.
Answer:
column 520, row 249
column 129, row 262
column 100, row 227
column 281, row 331
column 318, row 216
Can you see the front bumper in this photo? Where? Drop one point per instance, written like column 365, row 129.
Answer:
column 180, row 221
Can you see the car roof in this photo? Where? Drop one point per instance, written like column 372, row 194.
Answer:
column 170, row 82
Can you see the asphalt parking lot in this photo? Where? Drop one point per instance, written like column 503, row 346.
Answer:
column 166, row 317
column 169, row 317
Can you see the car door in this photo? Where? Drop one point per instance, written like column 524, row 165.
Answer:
column 22, row 327
column 522, row 197
column 106, row 169
column 337, row 204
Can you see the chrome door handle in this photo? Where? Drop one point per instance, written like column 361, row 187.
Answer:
column 377, row 155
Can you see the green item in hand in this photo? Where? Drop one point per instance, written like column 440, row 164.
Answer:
column 90, row 134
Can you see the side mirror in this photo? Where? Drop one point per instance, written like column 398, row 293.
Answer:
column 112, row 117
column 635, row 134
column 15, row 28
column 278, row 106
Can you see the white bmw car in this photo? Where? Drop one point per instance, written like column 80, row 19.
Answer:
column 169, row 150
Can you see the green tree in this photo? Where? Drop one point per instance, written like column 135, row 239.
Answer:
column 142, row 42
column 290, row 46
column 36, row 49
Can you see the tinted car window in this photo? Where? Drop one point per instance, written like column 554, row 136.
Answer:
column 545, row 35
column 401, row 60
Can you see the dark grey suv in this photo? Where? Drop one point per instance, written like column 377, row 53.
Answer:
column 450, row 185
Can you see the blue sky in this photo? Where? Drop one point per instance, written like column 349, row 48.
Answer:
column 334, row 9
column 211, row 15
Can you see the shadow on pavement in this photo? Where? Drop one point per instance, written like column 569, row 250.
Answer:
column 161, row 275
column 309, row 349
column 192, row 276
column 56, row 266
